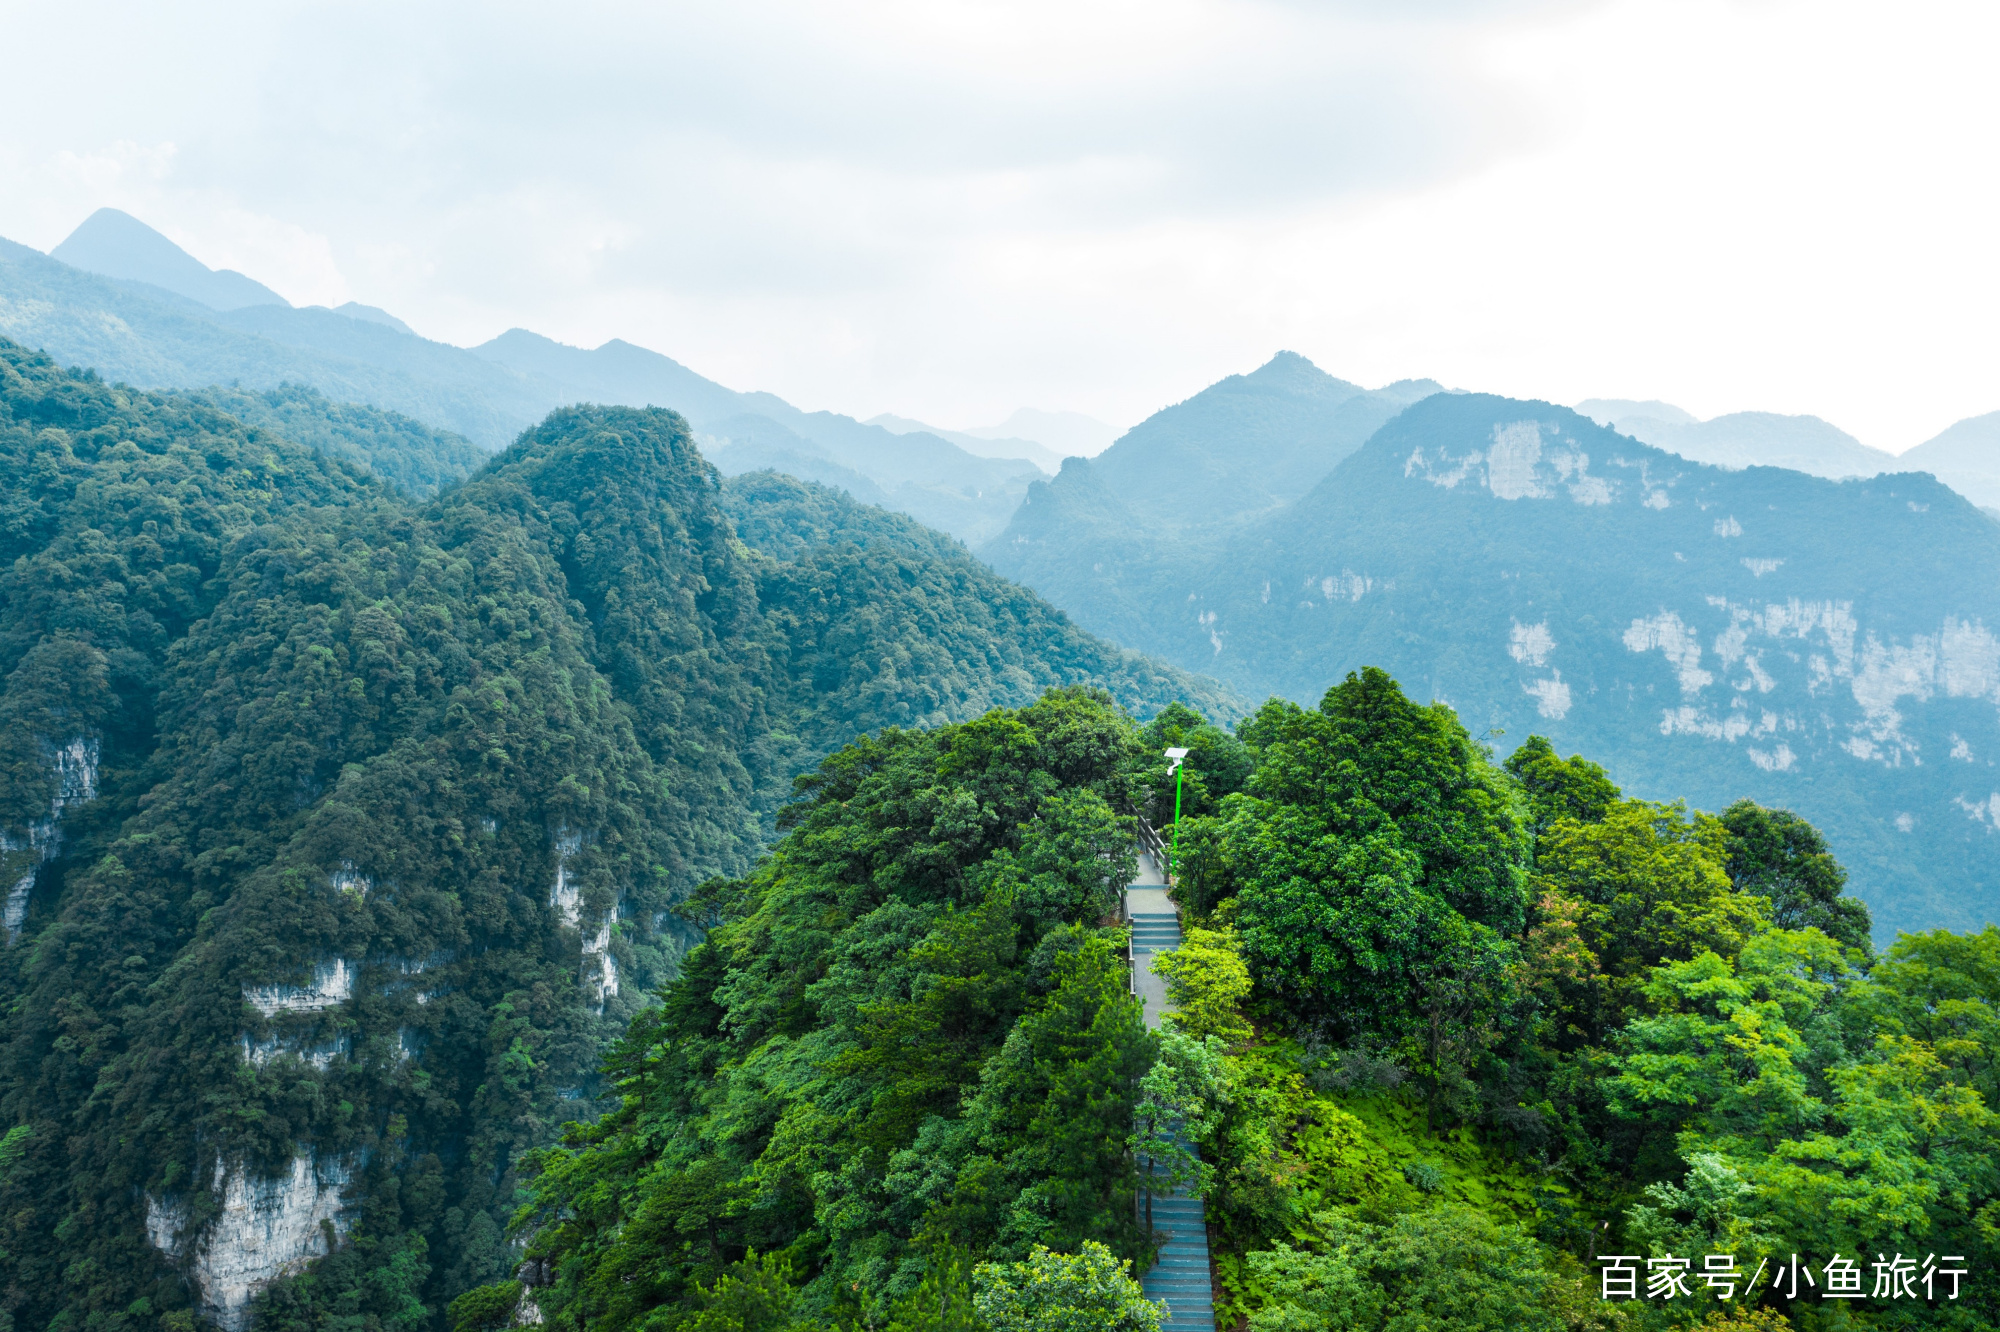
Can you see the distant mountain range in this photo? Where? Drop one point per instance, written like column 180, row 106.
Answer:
column 124, row 300
column 1743, row 439
column 1045, row 437
column 1966, row 457
column 1709, row 633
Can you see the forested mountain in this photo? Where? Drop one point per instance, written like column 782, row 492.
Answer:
column 341, row 832
column 1826, row 646
column 1446, row 1036
column 142, row 332
column 409, row 455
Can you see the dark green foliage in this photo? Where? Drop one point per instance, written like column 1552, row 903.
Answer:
column 1217, row 765
column 1557, row 788
column 1776, row 854
column 1386, row 861
column 486, row 1308
column 922, row 939
column 416, row 459
column 333, row 739
column 848, row 577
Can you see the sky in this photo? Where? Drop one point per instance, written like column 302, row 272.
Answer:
column 950, row 210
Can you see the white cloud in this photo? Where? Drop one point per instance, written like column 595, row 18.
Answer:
column 951, row 209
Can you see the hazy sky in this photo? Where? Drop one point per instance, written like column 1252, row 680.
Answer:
column 951, row 210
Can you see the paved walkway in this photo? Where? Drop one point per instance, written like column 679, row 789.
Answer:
column 1180, row 1276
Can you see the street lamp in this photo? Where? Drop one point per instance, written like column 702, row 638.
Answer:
column 1174, row 757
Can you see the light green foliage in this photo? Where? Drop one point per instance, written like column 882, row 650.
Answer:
column 1447, row 1270
column 1181, row 1100
column 1091, row 1290
column 1803, row 1122
column 1207, row 984
column 1652, row 888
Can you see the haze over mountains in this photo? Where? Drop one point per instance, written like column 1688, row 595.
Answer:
column 1259, row 532
column 140, row 310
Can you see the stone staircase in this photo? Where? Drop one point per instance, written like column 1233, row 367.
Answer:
column 1180, row 1276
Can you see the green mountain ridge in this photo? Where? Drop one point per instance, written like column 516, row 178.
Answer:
column 343, row 832
column 1824, row 646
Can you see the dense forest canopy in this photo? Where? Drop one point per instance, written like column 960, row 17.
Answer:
column 1447, row 1035
column 341, row 834
column 598, row 892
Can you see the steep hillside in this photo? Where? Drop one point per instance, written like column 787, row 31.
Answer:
column 1711, row 634
column 341, row 834
column 1447, row 1036
column 411, row 456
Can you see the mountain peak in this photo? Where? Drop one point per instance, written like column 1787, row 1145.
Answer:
column 115, row 244
column 1295, row 374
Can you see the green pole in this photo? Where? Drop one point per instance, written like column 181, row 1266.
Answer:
column 1174, row 852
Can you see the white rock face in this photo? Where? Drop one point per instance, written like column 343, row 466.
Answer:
column 269, row 1228
column 1531, row 644
column 1519, row 463
column 565, row 896
column 600, row 969
column 75, row 769
column 1680, row 644
column 347, row 879
column 332, row 983
column 15, row 912
column 1551, row 696
column 1510, row 462
column 320, row 1055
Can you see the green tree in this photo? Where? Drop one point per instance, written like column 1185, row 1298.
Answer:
column 1180, row 1102
column 1773, row 853
column 1091, row 1290
column 1207, row 985
column 1652, row 887
column 1446, row 1270
column 1800, row 1119
column 1574, row 788
column 1386, row 869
